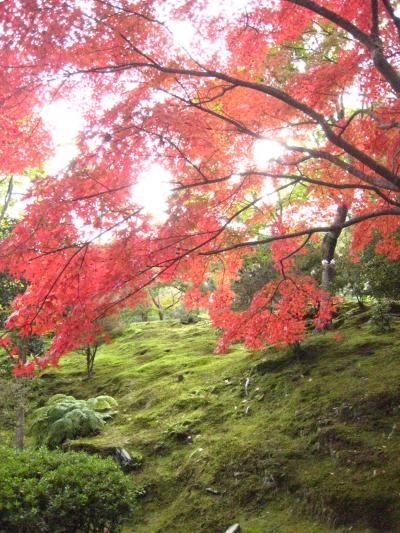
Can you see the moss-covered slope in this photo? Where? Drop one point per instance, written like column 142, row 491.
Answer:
column 276, row 441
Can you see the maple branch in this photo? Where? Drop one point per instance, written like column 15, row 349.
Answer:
column 84, row 246
column 379, row 60
column 164, row 139
column 383, row 125
column 351, row 169
column 375, row 23
column 319, row 154
column 131, row 12
column 172, row 261
column 310, row 231
column 99, row 193
column 123, row 36
column 296, row 177
column 294, row 252
column 331, row 136
column 274, row 92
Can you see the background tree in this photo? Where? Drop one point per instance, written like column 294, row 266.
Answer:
column 107, row 328
column 166, row 297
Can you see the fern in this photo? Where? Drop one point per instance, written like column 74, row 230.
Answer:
column 102, row 403
column 64, row 417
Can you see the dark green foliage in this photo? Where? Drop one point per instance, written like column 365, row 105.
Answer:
column 9, row 287
column 110, row 327
column 188, row 317
column 257, row 270
column 34, row 345
column 380, row 275
column 381, row 317
column 64, row 417
column 373, row 275
column 55, row 492
column 141, row 313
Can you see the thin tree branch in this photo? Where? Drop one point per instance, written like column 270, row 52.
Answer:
column 392, row 14
column 379, row 60
column 7, row 199
column 310, row 231
column 375, row 23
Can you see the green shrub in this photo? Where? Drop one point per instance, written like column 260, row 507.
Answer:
column 62, row 492
column 381, row 317
column 102, row 403
column 64, row 417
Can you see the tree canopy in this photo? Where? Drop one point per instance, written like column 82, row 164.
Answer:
column 313, row 84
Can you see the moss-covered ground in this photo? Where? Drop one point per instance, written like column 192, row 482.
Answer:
column 277, row 441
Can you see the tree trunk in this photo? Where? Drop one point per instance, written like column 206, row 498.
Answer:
column 157, row 303
column 90, row 355
column 328, row 248
column 20, row 398
column 20, row 401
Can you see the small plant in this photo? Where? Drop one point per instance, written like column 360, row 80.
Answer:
column 180, row 431
column 64, row 417
column 60, row 492
column 381, row 317
column 189, row 318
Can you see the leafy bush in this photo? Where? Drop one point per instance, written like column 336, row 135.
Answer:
column 62, row 492
column 102, row 403
column 189, row 318
column 64, row 417
column 374, row 275
column 381, row 317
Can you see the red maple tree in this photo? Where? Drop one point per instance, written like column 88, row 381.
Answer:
column 320, row 78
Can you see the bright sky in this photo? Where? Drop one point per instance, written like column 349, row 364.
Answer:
column 153, row 186
column 64, row 121
column 265, row 150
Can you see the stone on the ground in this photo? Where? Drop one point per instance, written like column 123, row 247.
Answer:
column 233, row 529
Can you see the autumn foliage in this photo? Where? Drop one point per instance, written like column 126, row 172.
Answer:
column 319, row 78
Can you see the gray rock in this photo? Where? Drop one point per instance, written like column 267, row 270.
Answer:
column 124, row 459
column 210, row 490
column 122, row 456
column 234, row 529
column 128, row 462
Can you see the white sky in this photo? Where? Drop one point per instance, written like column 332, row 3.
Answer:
column 153, row 186
column 265, row 150
column 64, row 121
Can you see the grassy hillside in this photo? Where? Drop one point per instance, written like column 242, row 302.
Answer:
column 279, row 442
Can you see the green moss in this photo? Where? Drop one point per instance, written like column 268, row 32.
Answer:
column 277, row 441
